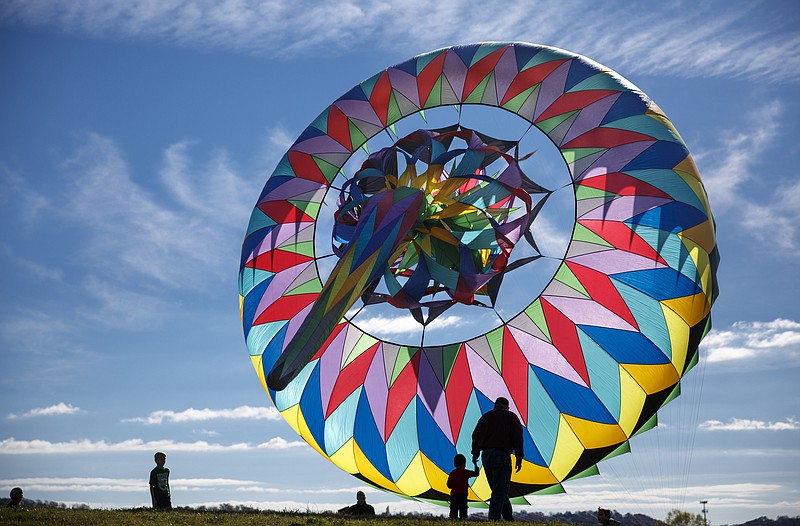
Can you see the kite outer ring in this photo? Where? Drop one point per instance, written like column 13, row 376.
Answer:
column 614, row 330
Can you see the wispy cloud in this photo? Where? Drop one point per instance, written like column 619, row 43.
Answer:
column 12, row 446
column 58, row 409
column 244, row 412
column 743, row 424
column 714, row 39
column 765, row 344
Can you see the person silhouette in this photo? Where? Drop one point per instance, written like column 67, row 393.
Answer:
column 497, row 434
column 360, row 507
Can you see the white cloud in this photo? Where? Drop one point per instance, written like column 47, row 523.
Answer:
column 12, row 446
column 765, row 344
column 743, row 424
column 244, row 412
column 705, row 40
column 280, row 443
column 387, row 325
column 58, row 409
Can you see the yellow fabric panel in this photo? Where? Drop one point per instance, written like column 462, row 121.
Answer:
column 413, row 481
column 304, row 431
column 480, row 488
column 259, row 367
column 693, row 309
column 567, row 452
column 594, row 435
column 678, row 338
column 631, row 401
column 534, row 474
column 703, row 264
column 241, row 308
column 366, row 468
column 688, row 167
column 436, row 477
column 653, row 378
column 702, row 235
column 292, row 416
column 345, row 457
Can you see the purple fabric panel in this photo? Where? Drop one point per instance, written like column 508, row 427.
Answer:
column 616, row 261
column 405, row 84
column 486, row 380
column 279, row 235
column 319, row 144
column 616, row 158
column 545, row 355
column 505, row 71
column 552, row 88
column 292, row 188
column 359, row 109
column 377, row 390
column 430, row 391
column 590, row 117
column 588, row 312
column 279, row 285
column 330, row 364
column 295, row 323
column 456, row 73
column 625, row 207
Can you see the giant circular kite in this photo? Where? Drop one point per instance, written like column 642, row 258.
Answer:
column 440, row 218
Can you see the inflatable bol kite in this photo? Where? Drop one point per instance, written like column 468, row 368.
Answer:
column 438, row 219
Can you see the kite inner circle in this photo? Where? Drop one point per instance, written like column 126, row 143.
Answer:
column 434, row 221
column 476, row 205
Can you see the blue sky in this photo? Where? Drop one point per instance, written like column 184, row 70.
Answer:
column 135, row 138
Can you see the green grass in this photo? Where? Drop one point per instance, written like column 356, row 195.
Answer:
column 142, row 517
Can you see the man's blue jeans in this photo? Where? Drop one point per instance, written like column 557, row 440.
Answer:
column 497, row 464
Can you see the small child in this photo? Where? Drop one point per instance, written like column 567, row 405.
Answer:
column 458, row 482
column 159, row 484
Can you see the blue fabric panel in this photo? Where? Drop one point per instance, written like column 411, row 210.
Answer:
column 663, row 154
column 531, row 451
column 573, row 399
column 578, row 71
column 627, row 105
column 355, row 94
column 625, row 346
column 311, row 406
column 432, row 441
column 250, row 304
column 672, row 217
column 308, row 133
column 524, row 54
column 603, row 373
column 465, row 53
column 368, row 438
column 252, row 242
column 543, row 417
column 660, row 283
column 403, row 444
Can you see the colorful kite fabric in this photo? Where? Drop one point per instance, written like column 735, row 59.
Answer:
column 431, row 221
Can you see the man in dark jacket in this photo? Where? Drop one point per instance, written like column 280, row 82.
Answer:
column 497, row 434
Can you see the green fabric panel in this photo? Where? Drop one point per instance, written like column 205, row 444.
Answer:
column 650, row 424
column 435, row 96
column 328, row 170
column 394, row 114
column 599, row 81
column 357, row 137
column 516, row 102
column 404, row 356
column 568, row 278
column 623, row 448
column 588, row 472
column 495, row 340
column 536, row 314
column 309, row 287
column 477, row 94
column 573, row 154
column 550, row 124
column 581, row 233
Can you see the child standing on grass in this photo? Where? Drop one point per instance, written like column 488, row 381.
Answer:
column 458, row 482
column 159, row 484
